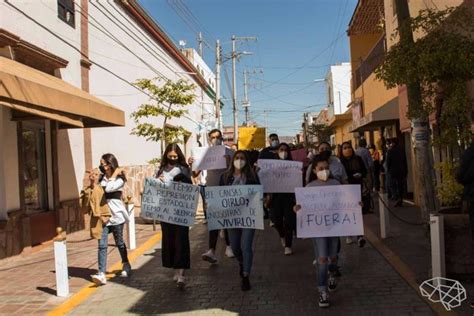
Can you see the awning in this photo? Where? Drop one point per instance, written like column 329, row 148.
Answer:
column 385, row 115
column 36, row 93
column 340, row 119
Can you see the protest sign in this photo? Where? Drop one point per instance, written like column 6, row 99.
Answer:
column 329, row 211
column 209, row 158
column 300, row 155
column 251, row 137
column 280, row 176
column 234, row 206
column 172, row 202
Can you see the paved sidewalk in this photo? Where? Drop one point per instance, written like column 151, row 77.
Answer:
column 281, row 285
column 28, row 284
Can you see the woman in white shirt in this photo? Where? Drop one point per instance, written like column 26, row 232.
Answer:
column 112, row 181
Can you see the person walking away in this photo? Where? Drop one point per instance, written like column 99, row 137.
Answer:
column 397, row 170
column 377, row 165
column 175, row 252
column 281, row 205
column 325, row 248
column 335, row 166
column 465, row 177
column 112, row 181
column 241, row 172
column 212, row 179
column 356, row 172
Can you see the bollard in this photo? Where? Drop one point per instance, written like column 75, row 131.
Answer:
column 437, row 246
column 384, row 215
column 60, row 261
column 132, row 241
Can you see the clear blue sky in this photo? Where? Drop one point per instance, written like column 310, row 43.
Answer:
column 297, row 40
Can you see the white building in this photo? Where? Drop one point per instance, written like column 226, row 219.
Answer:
column 67, row 68
column 338, row 80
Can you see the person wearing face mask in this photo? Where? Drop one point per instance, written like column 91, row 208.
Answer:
column 270, row 152
column 241, row 172
column 281, row 204
column 212, row 179
column 335, row 166
column 112, row 181
column 325, row 248
column 175, row 241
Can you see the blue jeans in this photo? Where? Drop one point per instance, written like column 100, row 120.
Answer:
column 325, row 248
column 117, row 231
column 241, row 241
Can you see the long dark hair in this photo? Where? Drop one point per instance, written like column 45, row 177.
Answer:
column 341, row 156
column 247, row 170
column 164, row 159
column 289, row 157
column 113, row 164
column 314, row 163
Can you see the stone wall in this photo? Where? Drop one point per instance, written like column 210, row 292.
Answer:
column 11, row 234
column 135, row 180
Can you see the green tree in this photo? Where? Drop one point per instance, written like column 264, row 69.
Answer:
column 168, row 101
column 321, row 131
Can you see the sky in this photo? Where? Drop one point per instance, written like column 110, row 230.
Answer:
column 297, row 40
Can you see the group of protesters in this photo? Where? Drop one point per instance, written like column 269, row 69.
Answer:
column 361, row 167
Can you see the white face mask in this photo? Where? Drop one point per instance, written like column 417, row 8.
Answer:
column 216, row 142
column 283, row 155
column 323, row 175
column 239, row 164
column 275, row 143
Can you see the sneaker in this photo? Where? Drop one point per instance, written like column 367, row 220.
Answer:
column 209, row 256
column 323, row 299
column 228, row 252
column 288, row 251
column 282, row 241
column 349, row 240
column 126, row 270
column 246, row 283
column 99, row 278
column 181, row 282
column 332, row 283
column 361, row 242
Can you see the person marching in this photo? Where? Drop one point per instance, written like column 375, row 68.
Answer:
column 175, row 249
column 281, row 204
column 337, row 169
column 325, row 248
column 212, row 179
column 241, row 172
column 112, row 180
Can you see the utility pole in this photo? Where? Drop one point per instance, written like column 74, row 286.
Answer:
column 218, row 84
column 305, row 129
column 200, row 42
column 245, row 102
column 420, row 126
column 234, row 57
column 265, row 115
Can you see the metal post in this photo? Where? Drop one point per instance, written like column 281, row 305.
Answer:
column 132, row 240
column 60, row 263
column 200, row 41
column 246, row 103
column 218, row 84
column 384, row 215
column 234, row 92
column 437, row 246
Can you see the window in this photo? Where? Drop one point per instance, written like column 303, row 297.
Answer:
column 66, row 11
column 33, row 166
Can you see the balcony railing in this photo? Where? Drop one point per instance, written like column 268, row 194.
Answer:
column 369, row 64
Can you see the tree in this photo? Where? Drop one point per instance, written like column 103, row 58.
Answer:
column 168, row 102
column 322, row 132
column 437, row 65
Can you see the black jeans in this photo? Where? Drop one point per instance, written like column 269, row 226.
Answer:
column 214, row 236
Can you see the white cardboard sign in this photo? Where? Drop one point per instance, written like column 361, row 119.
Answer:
column 209, row 158
column 280, row 176
column 329, row 211
column 173, row 202
column 234, row 206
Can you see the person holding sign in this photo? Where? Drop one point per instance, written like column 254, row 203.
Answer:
column 112, row 180
column 325, row 248
column 281, row 204
column 175, row 244
column 212, row 179
column 241, row 239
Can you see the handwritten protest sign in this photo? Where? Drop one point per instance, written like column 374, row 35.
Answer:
column 280, row 176
column 251, row 137
column 172, row 202
column 329, row 211
column 209, row 158
column 234, row 206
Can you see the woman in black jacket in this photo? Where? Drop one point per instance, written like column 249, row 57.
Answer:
column 281, row 205
column 241, row 172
